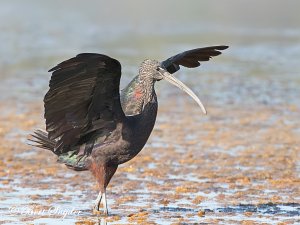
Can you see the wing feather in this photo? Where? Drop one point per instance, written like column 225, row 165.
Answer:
column 83, row 97
column 191, row 58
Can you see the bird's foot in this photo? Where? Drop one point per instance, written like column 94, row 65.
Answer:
column 97, row 211
column 96, row 208
column 98, row 202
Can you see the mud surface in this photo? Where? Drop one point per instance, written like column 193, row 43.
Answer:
column 232, row 166
column 240, row 164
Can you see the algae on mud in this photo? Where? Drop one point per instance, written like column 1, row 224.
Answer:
column 237, row 172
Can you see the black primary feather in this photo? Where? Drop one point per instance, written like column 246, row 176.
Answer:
column 83, row 97
column 191, row 58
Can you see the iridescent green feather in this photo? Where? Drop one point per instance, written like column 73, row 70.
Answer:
column 71, row 159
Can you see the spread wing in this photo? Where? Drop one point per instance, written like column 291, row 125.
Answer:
column 83, row 97
column 191, row 58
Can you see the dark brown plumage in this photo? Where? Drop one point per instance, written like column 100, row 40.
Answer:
column 88, row 125
column 192, row 58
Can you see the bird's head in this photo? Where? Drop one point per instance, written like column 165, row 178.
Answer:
column 154, row 71
column 149, row 70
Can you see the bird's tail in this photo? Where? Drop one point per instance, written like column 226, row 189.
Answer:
column 40, row 139
column 71, row 159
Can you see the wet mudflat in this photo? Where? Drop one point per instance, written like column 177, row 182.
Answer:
column 234, row 166
column 240, row 164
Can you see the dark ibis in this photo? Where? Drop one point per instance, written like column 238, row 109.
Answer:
column 91, row 126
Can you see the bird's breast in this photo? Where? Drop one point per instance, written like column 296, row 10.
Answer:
column 129, row 137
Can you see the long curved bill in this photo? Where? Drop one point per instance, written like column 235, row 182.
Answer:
column 170, row 78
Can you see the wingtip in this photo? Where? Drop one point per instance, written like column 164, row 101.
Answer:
column 52, row 69
column 221, row 47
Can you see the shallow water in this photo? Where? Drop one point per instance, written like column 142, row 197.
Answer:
column 237, row 165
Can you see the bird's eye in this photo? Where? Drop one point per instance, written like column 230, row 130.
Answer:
column 157, row 68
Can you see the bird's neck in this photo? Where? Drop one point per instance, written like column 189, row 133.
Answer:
column 139, row 103
column 137, row 95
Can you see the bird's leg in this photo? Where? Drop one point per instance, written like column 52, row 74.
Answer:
column 101, row 196
column 109, row 172
column 98, row 201
column 105, row 204
column 103, row 174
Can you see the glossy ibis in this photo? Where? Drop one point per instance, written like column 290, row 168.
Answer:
column 90, row 126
